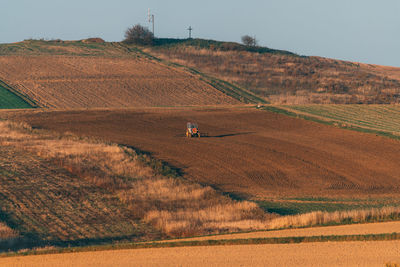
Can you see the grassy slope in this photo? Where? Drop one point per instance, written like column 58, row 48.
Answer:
column 283, row 77
column 217, row 45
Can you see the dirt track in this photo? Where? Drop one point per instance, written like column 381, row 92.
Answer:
column 305, row 254
column 247, row 151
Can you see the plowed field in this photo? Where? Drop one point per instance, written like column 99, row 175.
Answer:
column 91, row 82
column 248, row 152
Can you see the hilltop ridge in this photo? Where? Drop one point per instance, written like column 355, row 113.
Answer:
column 282, row 77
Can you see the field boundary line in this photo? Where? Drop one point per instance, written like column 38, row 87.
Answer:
column 222, row 242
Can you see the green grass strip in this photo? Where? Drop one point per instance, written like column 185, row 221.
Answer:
column 10, row 99
column 223, row 242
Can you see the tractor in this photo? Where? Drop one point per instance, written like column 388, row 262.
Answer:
column 192, row 130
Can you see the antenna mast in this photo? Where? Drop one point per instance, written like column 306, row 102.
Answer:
column 190, row 29
column 151, row 18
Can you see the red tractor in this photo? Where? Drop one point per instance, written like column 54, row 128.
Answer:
column 192, row 130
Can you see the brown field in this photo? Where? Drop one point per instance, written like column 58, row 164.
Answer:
column 248, row 152
column 305, row 254
column 65, row 81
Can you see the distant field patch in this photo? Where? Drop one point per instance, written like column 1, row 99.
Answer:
column 294, row 206
column 9, row 100
column 385, row 118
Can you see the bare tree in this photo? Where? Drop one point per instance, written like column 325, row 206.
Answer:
column 249, row 41
column 139, row 35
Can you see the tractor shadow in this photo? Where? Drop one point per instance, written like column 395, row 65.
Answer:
column 205, row 135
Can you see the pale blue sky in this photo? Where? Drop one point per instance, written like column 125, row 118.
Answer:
column 357, row 30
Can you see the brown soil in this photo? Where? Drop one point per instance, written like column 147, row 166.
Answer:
column 305, row 254
column 90, row 82
column 247, row 152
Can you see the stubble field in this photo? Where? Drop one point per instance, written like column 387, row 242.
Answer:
column 64, row 81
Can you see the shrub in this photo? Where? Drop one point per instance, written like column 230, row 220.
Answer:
column 139, row 35
column 249, row 41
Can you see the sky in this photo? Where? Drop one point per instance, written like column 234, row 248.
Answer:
column 355, row 30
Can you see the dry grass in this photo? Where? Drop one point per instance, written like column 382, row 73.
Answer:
column 221, row 217
column 6, row 232
column 322, row 218
column 286, row 79
column 176, row 206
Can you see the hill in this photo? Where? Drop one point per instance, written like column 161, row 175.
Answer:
column 79, row 74
column 282, row 77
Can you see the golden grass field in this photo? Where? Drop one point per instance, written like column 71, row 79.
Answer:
column 305, row 254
